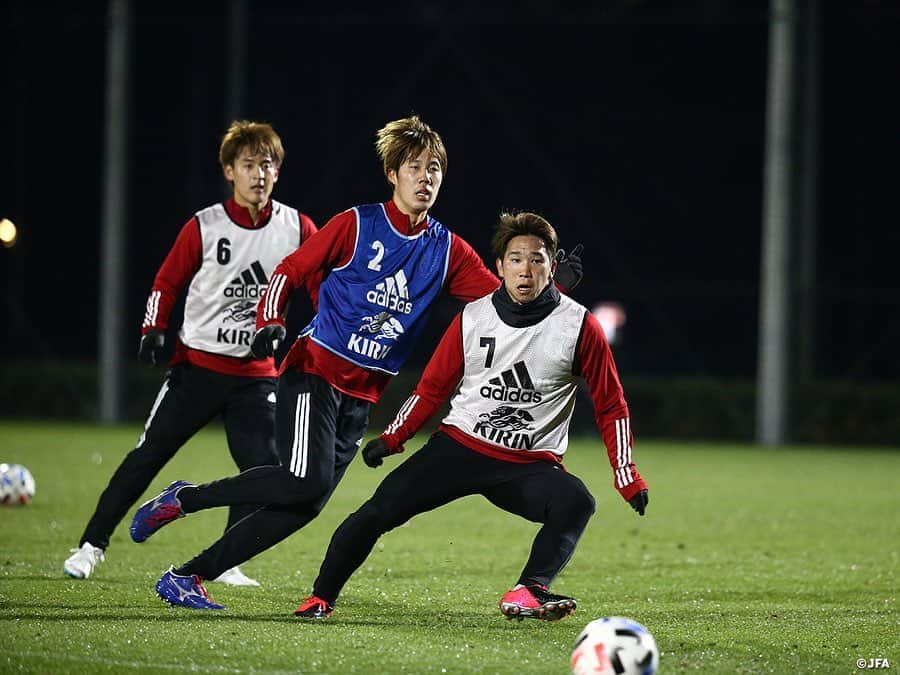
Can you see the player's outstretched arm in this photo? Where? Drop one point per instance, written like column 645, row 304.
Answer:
column 595, row 363
column 179, row 267
column 441, row 374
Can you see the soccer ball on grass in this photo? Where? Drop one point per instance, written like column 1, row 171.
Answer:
column 615, row 645
column 16, row 484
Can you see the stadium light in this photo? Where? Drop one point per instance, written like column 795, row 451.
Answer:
column 8, row 233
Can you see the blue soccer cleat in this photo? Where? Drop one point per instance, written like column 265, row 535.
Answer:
column 184, row 591
column 159, row 511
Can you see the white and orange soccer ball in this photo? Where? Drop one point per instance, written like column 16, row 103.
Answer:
column 615, row 645
column 16, row 484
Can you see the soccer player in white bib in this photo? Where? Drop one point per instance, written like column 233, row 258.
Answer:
column 384, row 265
column 224, row 255
column 513, row 359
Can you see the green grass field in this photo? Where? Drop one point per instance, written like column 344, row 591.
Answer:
column 749, row 560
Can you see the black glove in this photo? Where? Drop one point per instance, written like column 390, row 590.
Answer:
column 265, row 339
column 568, row 268
column 639, row 502
column 150, row 351
column 374, row 451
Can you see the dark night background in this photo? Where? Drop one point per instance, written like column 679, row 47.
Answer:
column 637, row 128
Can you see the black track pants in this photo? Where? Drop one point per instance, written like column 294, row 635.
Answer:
column 189, row 399
column 318, row 432
column 444, row 470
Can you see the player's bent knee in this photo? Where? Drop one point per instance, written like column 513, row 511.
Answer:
column 376, row 517
column 589, row 503
column 297, row 490
column 579, row 503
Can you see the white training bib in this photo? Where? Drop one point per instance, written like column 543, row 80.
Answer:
column 220, row 308
column 518, row 391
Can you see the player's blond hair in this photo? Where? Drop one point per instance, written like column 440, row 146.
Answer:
column 514, row 224
column 258, row 137
column 400, row 140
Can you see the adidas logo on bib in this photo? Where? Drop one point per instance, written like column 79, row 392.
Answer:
column 248, row 284
column 513, row 385
column 392, row 294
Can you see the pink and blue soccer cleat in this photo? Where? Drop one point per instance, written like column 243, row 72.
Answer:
column 159, row 511
column 184, row 591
